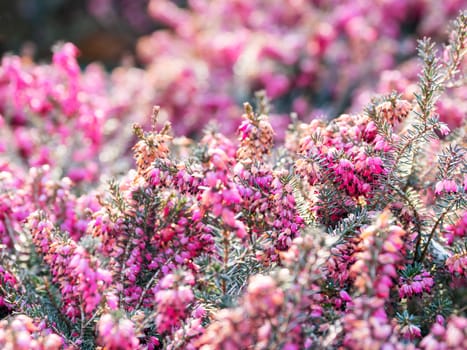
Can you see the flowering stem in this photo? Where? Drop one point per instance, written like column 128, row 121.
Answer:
column 91, row 319
column 410, row 142
column 225, row 260
column 56, row 330
column 10, row 230
column 53, row 302
column 417, row 218
column 122, row 265
column 82, row 318
column 150, row 283
column 435, row 226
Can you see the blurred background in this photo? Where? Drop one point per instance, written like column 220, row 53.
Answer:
column 103, row 30
column 200, row 60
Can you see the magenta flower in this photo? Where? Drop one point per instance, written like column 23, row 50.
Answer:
column 450, row 337
column 414, row 280
column 116, row 333
column 173, row 301
column 448, row 186
column 457, row 264
column 23, row 333
column 458, row 230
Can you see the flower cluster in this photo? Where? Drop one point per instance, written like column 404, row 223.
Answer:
column 381, row 250
column 116, row 333
column 22, row 333
column 55, row 113
column 8, row 281
column 344, row 155
column 458, row 230
column 447, row 186
column 457, row 264
column 413, row 281
column 73, row 269
column 450, row 336
column 368, row 326
column 256, row 137
column 173, row 299
column 250, row 325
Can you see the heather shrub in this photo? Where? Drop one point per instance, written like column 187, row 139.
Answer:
column 349, row 234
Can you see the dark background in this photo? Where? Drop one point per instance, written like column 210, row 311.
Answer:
column 104, row 30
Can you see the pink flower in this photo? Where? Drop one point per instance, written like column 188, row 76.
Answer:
column 65, row 57
column 457, row 264
column 458, row 230
column 448, row 186
column 375, row 165
column 415, row 284
column 345, row 296
column 443, row 130
column 116, row 333
column 411, row 332
column 173, row 301
column 452, row 336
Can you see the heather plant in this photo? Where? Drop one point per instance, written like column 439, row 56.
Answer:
column 49, row 110
column 351, row 234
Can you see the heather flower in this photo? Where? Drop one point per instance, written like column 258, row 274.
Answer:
column 451, row 336
column 367, row 325
column 341, row 258
column 78, row 274
column 151, row 146
column 343, row 155
column 447, row 186
column 256, row 136
column 249, row 325
column 219, row 244
column 188, row 335
column 380, row 251
column 407, row 327
column 287, row 219
column 172, row 300
column 394, row 111
column 65, row 57
column 8, row 279
column 456, row 231
column 23, row 333
column 457, row 264
column 414, row 281
column 292, row 60
column 411, row 332
column 261, row 298
column 54, row 114
column 9, row 284
column 114, row 332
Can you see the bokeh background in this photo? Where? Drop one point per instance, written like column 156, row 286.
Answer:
column 313, row 57
column 104, row 30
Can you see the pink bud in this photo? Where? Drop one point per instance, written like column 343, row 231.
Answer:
column 440, row 319
column 228, row 217
column 241, row 231
column 345, row 296
column 53, row 342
